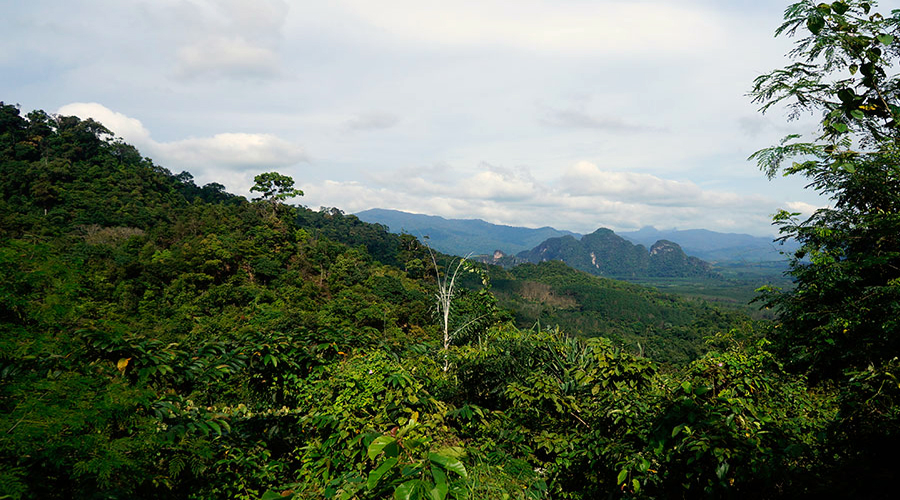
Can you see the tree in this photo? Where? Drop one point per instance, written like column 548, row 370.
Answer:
column 274, row 187
column 447, row 297
column 848, row 266
column 839, row 324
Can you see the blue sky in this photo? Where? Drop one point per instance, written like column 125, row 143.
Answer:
column 576, row 114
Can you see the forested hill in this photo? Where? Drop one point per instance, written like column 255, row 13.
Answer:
column 604, row 253
column 640, row 319
column 478, row 237
column 153, row 333
column 152, row 328
column 164, row 340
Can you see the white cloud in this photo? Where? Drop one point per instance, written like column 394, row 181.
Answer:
column 587, row 179
column 227, row 158
column 234, row 151
column 498, row 186
column 131, row 129
column 516, row 198
column 571, row 118
column 805, row 209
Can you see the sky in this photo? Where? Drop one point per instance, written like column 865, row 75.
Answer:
column 575, row 114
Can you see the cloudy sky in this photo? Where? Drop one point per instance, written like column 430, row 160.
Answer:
column 576, row 114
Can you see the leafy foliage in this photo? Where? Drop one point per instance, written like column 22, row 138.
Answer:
column 164, row 340
column 839, row 323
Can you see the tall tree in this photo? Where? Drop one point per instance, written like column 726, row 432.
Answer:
column 274, row 187
column 839, row 323
column 848, row 267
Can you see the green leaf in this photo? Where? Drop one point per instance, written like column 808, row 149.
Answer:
column 839, row 8
column 214, row 426
column 721, row 470
column 623, row 475
column 379, row 445
column 412, row 444
column 840, row 127
column 378, row 473
column 859, row 115
column 815, row 24
column 439, row 492
column 270, row 495
column 203, row 428
column 410, row 490
column 448, row 463
column 686, row 385
column 885, row 39
column 846, row 95
column 636, row 484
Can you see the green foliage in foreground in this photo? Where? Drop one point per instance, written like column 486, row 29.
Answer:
column 163, row 340
column 170, row 341
column 839, row 323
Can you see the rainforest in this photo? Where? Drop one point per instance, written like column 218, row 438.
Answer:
column 160, row 339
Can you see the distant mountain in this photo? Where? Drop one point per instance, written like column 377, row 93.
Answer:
column 462, row 236
column 604, row 253
column 713, row 246
column 477, row 237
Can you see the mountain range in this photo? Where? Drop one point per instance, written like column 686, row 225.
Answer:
column 475, row 236
column 462, row 236
column 713, row 246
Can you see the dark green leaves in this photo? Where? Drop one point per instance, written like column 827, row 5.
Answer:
column 839, row 8
column 376, row 475
column 847, row 95
column 815, row 23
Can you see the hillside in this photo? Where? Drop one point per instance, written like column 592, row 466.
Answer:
column 164, row 340
column 604, row 253
column 639, row 319
column 159, row 338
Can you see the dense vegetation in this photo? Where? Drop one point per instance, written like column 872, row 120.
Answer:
column 664, row 327
column 164, row 340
